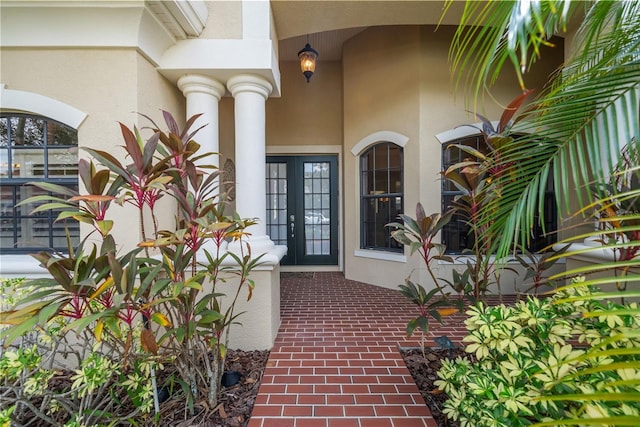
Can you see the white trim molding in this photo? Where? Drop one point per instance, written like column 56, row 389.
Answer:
column 18, row 266
column 380, row 255
column 305, row 150
column 385, row 135
column 461, row 132
column 29, row 102
column 184, row 18
column 590, row 250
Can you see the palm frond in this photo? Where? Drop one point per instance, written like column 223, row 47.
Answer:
column 581, row 125
column 495, row 33
column 575, row 133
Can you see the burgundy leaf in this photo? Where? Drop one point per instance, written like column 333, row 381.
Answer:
column 511, row 109
column 131, row 144
column 171, row 123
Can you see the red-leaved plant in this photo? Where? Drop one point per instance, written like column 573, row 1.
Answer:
column 157, row 297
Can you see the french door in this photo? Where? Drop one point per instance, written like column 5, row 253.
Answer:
column 302, row 208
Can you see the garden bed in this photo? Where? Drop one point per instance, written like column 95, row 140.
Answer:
column 424, row 370
column 236, row 401
column 233, row 409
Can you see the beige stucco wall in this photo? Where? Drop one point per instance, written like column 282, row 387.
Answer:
column 111, row 86
column 392, row 78
column 381, row 93
column 256, row 328
column 307, row 113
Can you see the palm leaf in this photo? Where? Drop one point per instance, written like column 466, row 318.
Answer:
column 594, row 100
column 574, row 133
column 491, row 34
column 577, row 159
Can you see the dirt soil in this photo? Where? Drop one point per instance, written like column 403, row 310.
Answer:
column 236, row 401
column 425, row 372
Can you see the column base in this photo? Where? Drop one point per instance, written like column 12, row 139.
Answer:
column 258, row 327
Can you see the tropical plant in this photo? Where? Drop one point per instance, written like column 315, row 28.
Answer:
column 574, row 132
column 474, row 178
column 35, row 386
column 428, row 306
column 8, row 290
column 156, row 303
column 419, row 233
column 617, row 212
column 540, row 360
column 535, row 264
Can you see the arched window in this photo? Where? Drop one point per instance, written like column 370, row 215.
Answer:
column 456, row 235
column 382, row 195
column 34, row 148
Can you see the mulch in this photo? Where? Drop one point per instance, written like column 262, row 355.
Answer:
column 233, row 409
column 236, row 401
column 424, row 370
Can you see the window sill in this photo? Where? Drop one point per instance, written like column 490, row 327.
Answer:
column 589, row 251
column 462, row 260
column 384, row 256
column 12, row 266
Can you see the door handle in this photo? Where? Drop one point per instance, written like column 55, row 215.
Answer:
column 292, row 225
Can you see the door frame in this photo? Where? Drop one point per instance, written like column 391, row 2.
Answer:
column 320, row 150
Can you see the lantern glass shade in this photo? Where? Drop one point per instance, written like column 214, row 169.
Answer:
column 308, row 56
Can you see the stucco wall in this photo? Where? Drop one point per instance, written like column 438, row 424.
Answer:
column 111, row 86
column 154, row 94
column 381, row 93
column 307, row 113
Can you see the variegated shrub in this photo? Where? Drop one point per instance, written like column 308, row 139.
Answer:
column 535, row 362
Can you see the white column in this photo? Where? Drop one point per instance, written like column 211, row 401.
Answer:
column 203, row 95
column 250, row 94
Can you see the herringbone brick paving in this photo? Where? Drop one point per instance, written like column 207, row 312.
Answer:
column 336, row 361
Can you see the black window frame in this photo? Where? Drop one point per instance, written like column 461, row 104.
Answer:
column 52, row 236
column 374, row 233
column 455, row 235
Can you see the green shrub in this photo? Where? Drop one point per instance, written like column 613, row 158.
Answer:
column 9, row 291
column 123, row 312
column 567, row 357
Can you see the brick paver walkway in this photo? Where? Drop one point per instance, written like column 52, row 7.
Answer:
column 336, row 362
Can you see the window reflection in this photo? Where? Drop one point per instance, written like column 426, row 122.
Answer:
column 381, row 171
column 34, row 148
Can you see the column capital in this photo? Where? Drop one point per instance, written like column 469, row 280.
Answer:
column 196, row 83
column 249, row 83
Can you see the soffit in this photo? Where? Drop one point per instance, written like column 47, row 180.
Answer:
column 330, row 23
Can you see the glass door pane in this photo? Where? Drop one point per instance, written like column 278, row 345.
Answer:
column 277, row 202
column 317, row 208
